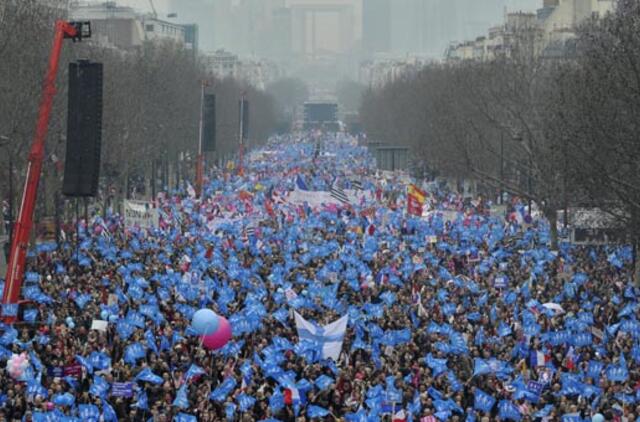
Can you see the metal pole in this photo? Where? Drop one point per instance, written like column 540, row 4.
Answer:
column 78, row 230
column 10, row 198
column 501, row 199
column 200, row 160
column 57, row 216
column 153, row 179
column 241, row 165
column 564, row 187
column 86, row 211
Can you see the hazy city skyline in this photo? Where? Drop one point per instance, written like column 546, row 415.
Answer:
column 424, row 27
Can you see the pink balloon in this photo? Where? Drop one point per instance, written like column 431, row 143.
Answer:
column 218, row 338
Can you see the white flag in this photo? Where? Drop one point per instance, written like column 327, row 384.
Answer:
column 330, row 337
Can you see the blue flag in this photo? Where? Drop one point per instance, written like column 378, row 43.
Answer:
column 509, row 411
column 276, row 401
column 84, row 362
column 316, row 411
column 223, row 390
column 99, row 360
column 100, row 387
column 89, row 412
column 184, row 417
column 147, row 375
column 66, row 399
column 181, row 400
column 483, row 401
column 142, row 402
column 193, row 371
column 245, row 402
column 323, row 382
column 151, row 341
column 108, row 414
column 133, row 352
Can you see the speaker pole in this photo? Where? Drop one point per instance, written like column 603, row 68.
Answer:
column 200, row 160
column 241, row 164
column 20, row 241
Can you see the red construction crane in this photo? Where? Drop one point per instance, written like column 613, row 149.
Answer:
column 20, row 240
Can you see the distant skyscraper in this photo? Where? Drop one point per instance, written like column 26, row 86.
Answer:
column 199, row 12
column 376, row 26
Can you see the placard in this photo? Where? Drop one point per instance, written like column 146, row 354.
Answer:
column 140, row 214
column 122, row 389
column 98, row 324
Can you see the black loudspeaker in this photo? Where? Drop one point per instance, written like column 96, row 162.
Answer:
column 84, row 129
column 209, row 124
column 244, row 113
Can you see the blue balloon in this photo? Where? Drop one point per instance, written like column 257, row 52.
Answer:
column 104, row 314
column 205, row 322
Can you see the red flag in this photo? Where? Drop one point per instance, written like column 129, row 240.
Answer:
column 413, row 206
column 268, row 206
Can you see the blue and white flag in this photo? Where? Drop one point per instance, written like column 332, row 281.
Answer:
column 133, row 352
column 89, row 412
column 100, row 387
column 245, row 402
column 329, row 338
column 181, row 400
column 147, row 375
column 509, row 411
column 108, row 414
column 193, row 371
column 223, row 390
column 300, row 183
column 483, row 401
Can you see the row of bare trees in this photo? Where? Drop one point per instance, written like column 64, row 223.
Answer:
column 151, row 105
column 556, row 131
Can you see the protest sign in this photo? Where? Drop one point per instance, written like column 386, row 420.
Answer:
column 99, row 325
column 122, row 389
column 140, row 214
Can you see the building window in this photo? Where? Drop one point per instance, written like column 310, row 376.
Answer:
column 149, row 28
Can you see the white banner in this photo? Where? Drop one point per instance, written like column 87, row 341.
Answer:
column 329, row 337
column 140, row 214
column 317, row 198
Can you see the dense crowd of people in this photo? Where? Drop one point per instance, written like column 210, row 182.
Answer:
column 459, row 314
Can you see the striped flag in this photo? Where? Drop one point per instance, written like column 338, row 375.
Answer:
column 357, row 185
column 415, row 200
column 338, row 194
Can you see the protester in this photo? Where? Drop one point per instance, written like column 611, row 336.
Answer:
column 455, row 314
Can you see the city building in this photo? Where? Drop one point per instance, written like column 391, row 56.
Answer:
column 379, row 71
column 324, row 28
column 549, row 32
column 257, row 72
column 125, row 28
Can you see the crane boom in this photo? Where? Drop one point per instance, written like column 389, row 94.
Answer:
column 153, row 9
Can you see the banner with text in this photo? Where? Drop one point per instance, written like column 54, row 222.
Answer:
column 140, row 214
